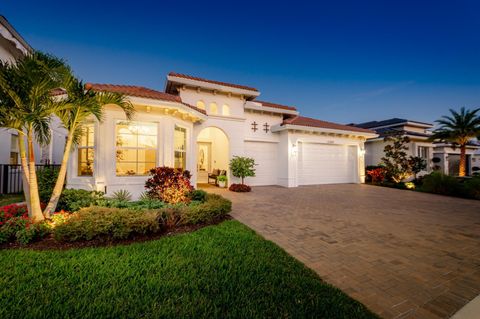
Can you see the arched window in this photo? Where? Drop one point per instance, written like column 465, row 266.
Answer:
column 201, row 105
column 213, row 108
column 225, row 110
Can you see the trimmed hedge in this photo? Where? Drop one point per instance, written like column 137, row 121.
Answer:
column 213, row 208
column 103, row 222
column 120, row 223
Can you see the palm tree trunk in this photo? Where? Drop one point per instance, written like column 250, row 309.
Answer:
column 57, row 190
column 36, row 211
column 463, row 161
column 25, row 173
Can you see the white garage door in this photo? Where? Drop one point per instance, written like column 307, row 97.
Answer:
column 265, row 155
column 326, row 164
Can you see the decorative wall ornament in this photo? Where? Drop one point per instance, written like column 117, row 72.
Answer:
column 266, row 127
column 254, row 126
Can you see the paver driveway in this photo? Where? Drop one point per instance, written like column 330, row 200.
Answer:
column 403, row 254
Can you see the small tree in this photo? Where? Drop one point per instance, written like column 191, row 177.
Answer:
column 417, row 164
column 242, row 167
column 396, row 162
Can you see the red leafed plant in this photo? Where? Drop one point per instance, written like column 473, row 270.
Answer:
column 170, row 185
column 12, row 211
column 377, row 174
column 240, row 188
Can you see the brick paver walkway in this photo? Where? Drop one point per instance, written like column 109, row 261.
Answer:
column 403, row 254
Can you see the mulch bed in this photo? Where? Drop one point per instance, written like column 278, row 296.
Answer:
column 49, row 243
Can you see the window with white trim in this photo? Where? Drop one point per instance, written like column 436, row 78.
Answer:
column 136, row 147
column 213, row 108
column 225, row 110
column 423, row 152
column 201, row 105
column 86, row 150
column 14, row 149
column 180, row 147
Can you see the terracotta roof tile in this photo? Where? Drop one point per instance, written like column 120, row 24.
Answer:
column 189, row 77
column 139, row 91
column 277, row 106
column 310, row 122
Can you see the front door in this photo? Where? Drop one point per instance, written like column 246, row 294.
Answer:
column 204, row 161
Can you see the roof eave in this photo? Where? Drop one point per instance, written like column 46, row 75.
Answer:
column 15, row 36
column 212, row 86
column 278, row 128
column 163, row 103
column 270, row 109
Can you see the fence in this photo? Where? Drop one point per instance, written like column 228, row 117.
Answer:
column 11, row 177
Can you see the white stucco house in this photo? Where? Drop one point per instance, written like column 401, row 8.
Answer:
column 199, row 125
column 13, row 47
column 438, row 156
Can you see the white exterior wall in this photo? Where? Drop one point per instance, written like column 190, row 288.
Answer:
column 104, row 176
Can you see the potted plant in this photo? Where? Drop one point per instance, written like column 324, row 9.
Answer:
column 222, row 181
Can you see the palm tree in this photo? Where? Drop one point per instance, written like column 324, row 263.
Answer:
column 458, row 128
column 80, row 104
column 26, row 106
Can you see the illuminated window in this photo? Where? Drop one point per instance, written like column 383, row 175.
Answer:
column 213, row 108
column 201, row 105
column 14, row 149
column 226, row 110
column 180, row 144
column 86, row 150
column 136, row 151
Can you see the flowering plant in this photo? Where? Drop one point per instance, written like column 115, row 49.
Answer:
column 377, row 174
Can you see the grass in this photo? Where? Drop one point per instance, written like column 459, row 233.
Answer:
column 10, row 199
column 222, row 271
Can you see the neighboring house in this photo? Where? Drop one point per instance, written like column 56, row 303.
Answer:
column 199, row 125
column 13, row 47
column 438, row 156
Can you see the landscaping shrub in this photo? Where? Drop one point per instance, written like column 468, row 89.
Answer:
column 122, row 195
column 103, row 222
column 170, row 185
column 72, row 200
column 376, row 175
column 472, row 187
column 439, row 183
column 198, row 195
column 143, row 204
column 215, row 207
column 119, row 223
column 46, row 177
column 16, row 226
column 240, row 188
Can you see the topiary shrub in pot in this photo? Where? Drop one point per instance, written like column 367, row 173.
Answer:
column 242, row 167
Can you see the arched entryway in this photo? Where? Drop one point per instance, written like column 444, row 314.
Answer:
column 212, row 154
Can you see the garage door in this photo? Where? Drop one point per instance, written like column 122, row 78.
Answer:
column 265, row 155
column 326, row 164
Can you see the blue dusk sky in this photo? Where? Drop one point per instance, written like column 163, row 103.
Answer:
column 342, row 61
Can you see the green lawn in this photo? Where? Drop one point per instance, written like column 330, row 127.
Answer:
column 223, row 271
column 10, row 199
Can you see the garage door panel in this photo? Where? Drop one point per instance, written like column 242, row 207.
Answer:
column 265, row 155
column 326, row 164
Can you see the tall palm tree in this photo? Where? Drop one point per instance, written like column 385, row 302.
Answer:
column 26, row 106
column 458, row 128
column 80, row 104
